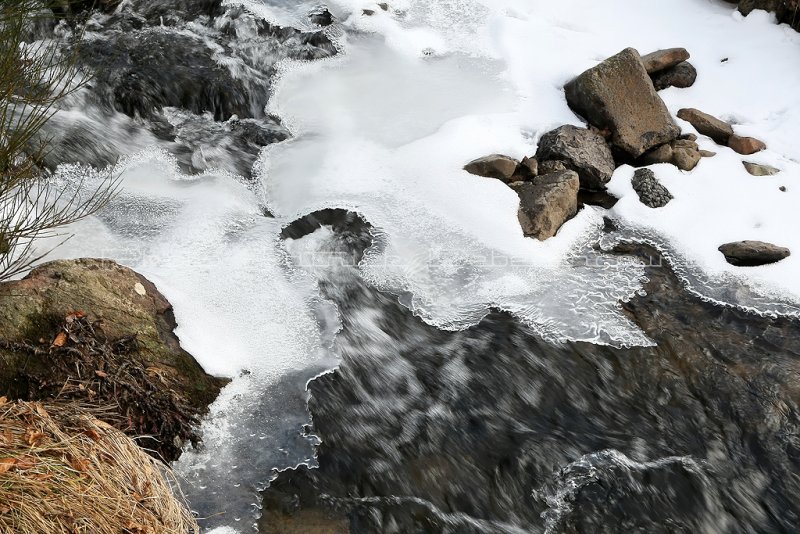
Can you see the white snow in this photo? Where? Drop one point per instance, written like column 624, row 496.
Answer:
column 386, row 128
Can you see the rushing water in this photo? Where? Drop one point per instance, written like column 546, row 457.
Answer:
column 488, row 382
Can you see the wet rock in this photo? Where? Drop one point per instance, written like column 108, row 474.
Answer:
column 664, row 59
column 122, row 311
column 321, row 18
column 757, row 169
column 141, row 73
column 582, row 151
column 547, row 203
column 493, row 166
column 618, row 95
column 753, row 253
column 651, row 192
column 681, row 76
column 718, row 130
column 746, row 145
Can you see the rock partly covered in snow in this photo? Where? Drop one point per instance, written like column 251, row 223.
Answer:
column 649, row 189
column 122, row 310
column 618, row 95
column 746, row 145
column 580, row 150
column 787, row 11
column 758, row 169
column 494, row 166
column 753, row 253
column 547, row 202
column 718, row 130
column 683, row 153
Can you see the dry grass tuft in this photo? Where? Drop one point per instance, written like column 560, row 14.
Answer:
column 63, row 471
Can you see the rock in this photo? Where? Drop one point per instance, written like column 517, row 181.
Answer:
column 582, row 151
column 664, row 59
column 603, row 199
column 493, row 166
column 53, row 297
column 682, row 75
column 782, row 189
column 660, row 154
column 529, row 166
column 757, row 169
column 685, row 154
column 650, row 191
column 551, row 166
column 547, row 203
column 785, row 10
column 618, row 95
column 746, row 145
column 707, row 154
column 753, row 253
column 322, row 17
column 719, row 131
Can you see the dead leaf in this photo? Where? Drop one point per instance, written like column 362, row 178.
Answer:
column 61, row 340
column 33, row 437
column 79, row 464
column 41, row 411
column 6, row 464
column 3, row 400
column 92, row 434
column 101, row 374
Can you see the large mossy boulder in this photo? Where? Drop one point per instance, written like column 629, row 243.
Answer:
column 97, row 332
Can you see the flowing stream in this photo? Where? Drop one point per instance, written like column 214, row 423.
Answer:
column 376, row 115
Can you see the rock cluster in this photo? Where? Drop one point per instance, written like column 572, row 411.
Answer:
column 627, row 123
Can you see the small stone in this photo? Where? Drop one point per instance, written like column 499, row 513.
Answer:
column 660, row 154
column 368, row 12
column 757, row 169
column 685, row 158
column 651, row 192
column 719, row 131
column 753, row 253
column 681, row 76
column 495, row 166
column 746, row 145
column 707, row 154
column 547, row 203
column 664, row 59
column 528, row 168
column 782, row 188
column 384, row 6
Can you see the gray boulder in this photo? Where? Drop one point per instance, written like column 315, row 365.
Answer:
column 581, row 150
column 651, row 192
column 718, row 130
column 682, row 75
column 619, row 96
column 547, row 202
column 753, row 253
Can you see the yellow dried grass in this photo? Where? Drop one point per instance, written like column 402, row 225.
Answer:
column 63, row 471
